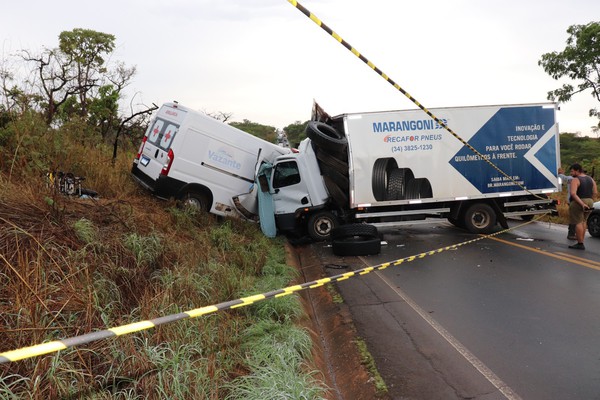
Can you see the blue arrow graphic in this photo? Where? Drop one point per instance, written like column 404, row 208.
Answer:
column 505, row 139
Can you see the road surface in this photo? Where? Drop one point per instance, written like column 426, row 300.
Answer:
column 515, row 316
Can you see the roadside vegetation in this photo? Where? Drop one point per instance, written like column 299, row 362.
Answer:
column 70, row 266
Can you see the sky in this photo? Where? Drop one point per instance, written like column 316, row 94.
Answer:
column 265, row 61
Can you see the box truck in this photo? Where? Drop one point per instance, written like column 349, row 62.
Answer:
column 401, row 167
column 201, row 161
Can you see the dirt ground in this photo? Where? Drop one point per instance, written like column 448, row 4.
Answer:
column 335, row 351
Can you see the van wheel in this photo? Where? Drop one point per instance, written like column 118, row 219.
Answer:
column 320, row 225
column 196, row 201
column 480, row 218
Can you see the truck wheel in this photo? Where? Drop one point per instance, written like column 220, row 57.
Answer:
column 593, row 224
column 381, row 170
column 196, row 201
column 419, row 188
column 398, row 179
column 320, row 225
column 326, row 136
column 352, row 230
column 480, row 218
column 339, row 197
column 357, row 246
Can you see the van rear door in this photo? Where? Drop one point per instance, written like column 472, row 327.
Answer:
column 156, row 154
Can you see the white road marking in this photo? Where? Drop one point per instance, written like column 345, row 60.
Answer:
column 458, row 346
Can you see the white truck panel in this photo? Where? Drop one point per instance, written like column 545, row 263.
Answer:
column 522, row 140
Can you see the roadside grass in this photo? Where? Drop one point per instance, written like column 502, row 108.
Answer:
column 367, row 360
column 71, row 266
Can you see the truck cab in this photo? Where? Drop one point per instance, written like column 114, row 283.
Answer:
column 298, row 192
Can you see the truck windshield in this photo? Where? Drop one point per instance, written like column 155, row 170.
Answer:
column 286, row 174
column 162, row 132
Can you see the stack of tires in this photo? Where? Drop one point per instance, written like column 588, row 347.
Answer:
column 392, row 183
column 331, row 149
column 355, row 240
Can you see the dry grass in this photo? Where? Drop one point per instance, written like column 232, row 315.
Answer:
column 71, row 266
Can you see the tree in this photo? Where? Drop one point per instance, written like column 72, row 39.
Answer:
column 295, row 132
column 579, row 62
column 85, row 49
column 265, row 132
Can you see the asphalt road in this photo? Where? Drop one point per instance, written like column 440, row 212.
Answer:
column 508, row 317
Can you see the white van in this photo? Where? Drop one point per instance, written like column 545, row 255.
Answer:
column 195, row 158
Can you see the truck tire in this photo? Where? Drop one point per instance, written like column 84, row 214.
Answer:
column 593, row 224
column 480, row 218
column 418, row 188
column 381, row 170
column 332, row 161
column 196, row 201
column 320, row 225
column 326, row 136
column 352, row 230
column 338, row 196
column 341, row 180
column 357, row 246
column 397, row 182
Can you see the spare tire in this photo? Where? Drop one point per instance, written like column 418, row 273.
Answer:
column 326, row 136
column 352, row 230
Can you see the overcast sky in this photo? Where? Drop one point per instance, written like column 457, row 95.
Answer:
column 264, row 61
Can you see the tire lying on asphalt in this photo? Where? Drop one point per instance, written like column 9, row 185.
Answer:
column 355, row 240
column 356, row 246
column 351, row 230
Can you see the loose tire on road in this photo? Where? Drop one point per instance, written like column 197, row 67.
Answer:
column 326, row 136
column 381, row 171
column 356, row 246
column 593, row 224
column 480, row 218
column 352, row 230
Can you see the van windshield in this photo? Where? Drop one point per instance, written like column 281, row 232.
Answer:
column 162, row 132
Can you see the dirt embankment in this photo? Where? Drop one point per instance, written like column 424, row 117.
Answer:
column 335, row 351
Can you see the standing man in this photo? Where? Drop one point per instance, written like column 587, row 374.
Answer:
column 583, row 191
column 568, row 179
